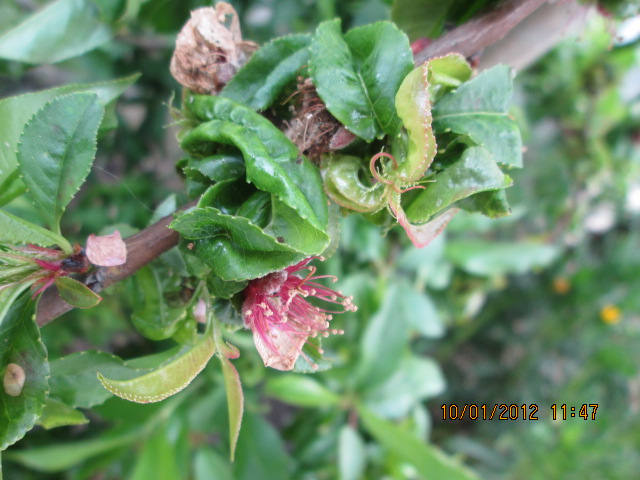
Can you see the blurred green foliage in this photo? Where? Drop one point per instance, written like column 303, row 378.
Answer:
column 536, row 308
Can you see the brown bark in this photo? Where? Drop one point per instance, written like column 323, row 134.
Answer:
column 481, row 31
column 142, row 248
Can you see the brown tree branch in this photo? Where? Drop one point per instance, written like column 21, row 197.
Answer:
column 142, row 248
column 481, row 31
column 153, row 241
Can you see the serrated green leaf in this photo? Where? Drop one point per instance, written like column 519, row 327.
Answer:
column 56, row 151
column 383, row 58
column 430, row 462
column 77, row 294
column 272, row 161
column 474, row 172
column 479, row 108
column 493, row 204
column 358, row 76
column 219, row 168
column 16, row 111
column 59, row 414
column 235, row 401
column 166, row 380
column 21, row 346
column 14, row 231
column 275, row 65
column 234, row 248
column 63, row 29
column 300, row 390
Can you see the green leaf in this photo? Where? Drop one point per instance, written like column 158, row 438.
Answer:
column 383, row 342
column 233, row 386
column 8, row 294
column 63, row 29
column 206, row 461
column 16, row 111
column 479, row 108
column 152, row 317
column 418, row 91
column 484, row 258
column 430, row 462
column 272, row 161
column 343, row 183
column 493, row 204
column 14, row 230
column 382, row 59
column 56, row 151
column 415, row 380
column 60, row 457
column 474, row 172
column 352, row 455
column 166, row 380
column 421, row 313
column 59, row 414
column 21, row 348
column 235, row 401
column 74, row 378
column 358, row 76
column 77, row 294
column 233, row 247
column 260, row 452
column 157, row 459
column 275, row 65
column 300, row 390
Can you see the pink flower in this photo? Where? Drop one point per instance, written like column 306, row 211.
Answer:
column 277, row 311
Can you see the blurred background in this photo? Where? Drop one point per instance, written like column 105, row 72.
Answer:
column 541, row 307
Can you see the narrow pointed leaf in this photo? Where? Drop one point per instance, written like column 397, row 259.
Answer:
column 77, row 294
column 56, row 151
column 268, row 71
column 166, row 380
column 21, row 349
column 235, row 401
column 14, row 230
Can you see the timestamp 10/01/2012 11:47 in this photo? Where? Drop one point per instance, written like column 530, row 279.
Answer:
column 526, row 411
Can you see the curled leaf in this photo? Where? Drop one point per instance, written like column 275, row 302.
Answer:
column 106, row 250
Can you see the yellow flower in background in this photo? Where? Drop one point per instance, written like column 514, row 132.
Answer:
column 610, row 314
column 561, row 285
